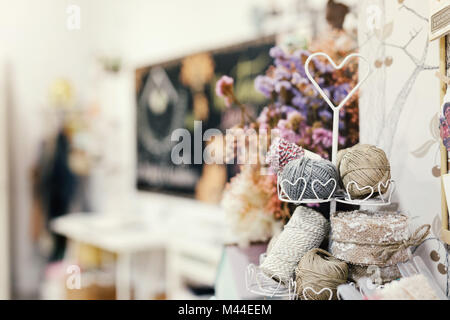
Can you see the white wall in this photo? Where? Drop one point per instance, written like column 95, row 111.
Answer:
column 399, row 102
column 4, row 209
column 398, row 106
column 36, row 48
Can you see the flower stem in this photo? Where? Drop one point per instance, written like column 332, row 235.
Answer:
column 244, row 112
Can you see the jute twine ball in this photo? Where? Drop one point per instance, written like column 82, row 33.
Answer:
column 318, row 270
column 305, row 230
column 310, row 170
column 366, row 165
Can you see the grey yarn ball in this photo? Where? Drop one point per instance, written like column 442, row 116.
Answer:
column 309, row 169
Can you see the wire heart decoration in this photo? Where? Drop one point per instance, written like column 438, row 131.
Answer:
column 274, row 278
column 293, row 185
column 319, row 89
column 250, row 273
column 323, row 185
column 391, row 185
column 266, row 283
column 292, row 289
column 317, row 292
column 257, row 282
column 272, row 288
column 359, row 189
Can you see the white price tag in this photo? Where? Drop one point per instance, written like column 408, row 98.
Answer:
column 439, row 18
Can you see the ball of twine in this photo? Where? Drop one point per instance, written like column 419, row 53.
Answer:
column 305, row 230
column 281, row 152
column 317, row 270
column 310, row 169
column 366, row 165
column 272, row 243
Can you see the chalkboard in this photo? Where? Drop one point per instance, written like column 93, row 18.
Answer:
column 175, row 93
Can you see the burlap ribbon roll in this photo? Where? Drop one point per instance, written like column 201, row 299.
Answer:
column 372, row 238
column 387, row 249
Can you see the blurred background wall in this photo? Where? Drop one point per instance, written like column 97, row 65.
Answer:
column 4, row 192
column 37, row 48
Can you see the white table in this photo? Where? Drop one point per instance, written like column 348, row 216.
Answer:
column 120, row 235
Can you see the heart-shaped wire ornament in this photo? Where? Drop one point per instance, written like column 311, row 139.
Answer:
column 317, row 293
column 258, row 282
column 292, row 287
column 359, row 189
column 323, row 185
column 293, row 185
column 347, row 58
column 273, row 288
column 389, row 183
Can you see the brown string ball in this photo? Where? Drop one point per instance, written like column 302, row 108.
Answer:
column 317, row 270
column 366, row 165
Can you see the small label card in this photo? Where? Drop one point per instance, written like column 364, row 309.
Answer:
column 439, row 18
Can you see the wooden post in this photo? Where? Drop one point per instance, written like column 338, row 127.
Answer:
column 445, row 233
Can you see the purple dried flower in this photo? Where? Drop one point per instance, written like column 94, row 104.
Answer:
column 277, row 53
column 340, row 92
column 264, row 85
column 300, row 101
column 224, row 89
column 282, row 74
column 282, row 84
column 224, row 85
column 285, row 109
column 322, row 136
column 320, row 66
column 296, row 78
column 299, row 54
column 326, row 114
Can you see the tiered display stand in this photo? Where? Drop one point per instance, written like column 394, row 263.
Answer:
column 256, row 281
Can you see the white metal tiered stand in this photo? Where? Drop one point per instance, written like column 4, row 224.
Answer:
column 256, row 281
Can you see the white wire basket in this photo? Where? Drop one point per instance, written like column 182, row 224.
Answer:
column 342, row 196
column 257, row 282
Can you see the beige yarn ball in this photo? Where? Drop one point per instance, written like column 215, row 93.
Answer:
column 318, row 275
column 366, row 165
